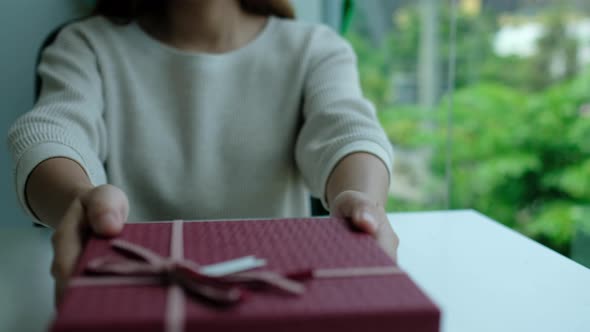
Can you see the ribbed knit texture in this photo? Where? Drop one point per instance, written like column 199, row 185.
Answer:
column 248, row 133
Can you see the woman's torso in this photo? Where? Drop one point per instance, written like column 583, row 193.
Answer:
column 201, row 135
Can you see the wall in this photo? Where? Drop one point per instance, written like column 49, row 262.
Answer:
column 327, row 11
column 308, row 10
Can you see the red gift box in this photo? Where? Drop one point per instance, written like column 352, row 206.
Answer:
column 356, row 302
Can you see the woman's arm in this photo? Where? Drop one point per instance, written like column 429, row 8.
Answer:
column 52, row 186
column 362, row 172
column 357, row 191
column 343, row 153
column 59, row 148
column 57, row 183
column 66, row 124
column 61, row 195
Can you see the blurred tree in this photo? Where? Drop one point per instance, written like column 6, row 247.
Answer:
column 395, row 61
column 521, row 136
column 520, row 158
column 555, row 47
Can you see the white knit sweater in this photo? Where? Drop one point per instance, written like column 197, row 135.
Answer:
column 248, row 133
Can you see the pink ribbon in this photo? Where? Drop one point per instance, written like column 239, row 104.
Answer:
column 187, row 274
column 145, row 267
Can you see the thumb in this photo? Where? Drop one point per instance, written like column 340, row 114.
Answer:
column 363, row 217
column 358, row 210
column 106, row 210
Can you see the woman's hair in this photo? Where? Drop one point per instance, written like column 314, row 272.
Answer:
column 125, row 11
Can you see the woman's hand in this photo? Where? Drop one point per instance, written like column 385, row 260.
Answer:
column 102, row 210
column 368, row 216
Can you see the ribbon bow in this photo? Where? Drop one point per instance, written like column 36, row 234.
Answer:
column 202, row 281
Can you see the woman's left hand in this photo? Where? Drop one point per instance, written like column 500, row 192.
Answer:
column 366, row 215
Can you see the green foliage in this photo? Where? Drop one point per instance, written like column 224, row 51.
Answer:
column 521, row 137
column 398, row 52
column 405, row 125
column 553, row 224
column 372, row 66
column 521, row 158
column 534, row 74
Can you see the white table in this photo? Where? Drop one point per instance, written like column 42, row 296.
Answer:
column 484, row 276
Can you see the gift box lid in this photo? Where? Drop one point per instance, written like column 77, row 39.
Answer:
column 373, row 303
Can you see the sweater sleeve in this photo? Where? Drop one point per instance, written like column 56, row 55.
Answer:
column 67, row 120
column 338, row 120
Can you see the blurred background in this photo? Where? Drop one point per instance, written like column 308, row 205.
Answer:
column 486, row 102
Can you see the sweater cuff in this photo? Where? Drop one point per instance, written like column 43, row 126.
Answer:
column 370, row 147
column 33, row 157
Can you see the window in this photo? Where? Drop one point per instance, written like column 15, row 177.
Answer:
column 487, row 104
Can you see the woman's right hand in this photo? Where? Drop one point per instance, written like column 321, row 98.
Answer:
column 102, row 210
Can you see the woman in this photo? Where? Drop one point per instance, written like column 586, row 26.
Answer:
column 159, row 110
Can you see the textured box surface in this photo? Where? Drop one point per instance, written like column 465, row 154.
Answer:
column 368, row 303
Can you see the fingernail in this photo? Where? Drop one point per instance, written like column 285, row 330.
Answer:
column 368, row 217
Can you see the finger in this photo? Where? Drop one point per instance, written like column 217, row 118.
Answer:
column 355, row 207
column 361, row 213
column 341, row 209
column 388, row 240
column 67, row 245
column 363, row 217
column 107, row 209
